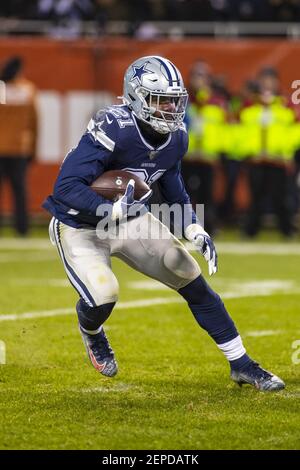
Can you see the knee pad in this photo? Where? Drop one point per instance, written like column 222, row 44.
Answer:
column 180, row 262
column 103, row 284
column 91, row 318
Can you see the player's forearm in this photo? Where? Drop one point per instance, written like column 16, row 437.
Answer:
column 78, row 196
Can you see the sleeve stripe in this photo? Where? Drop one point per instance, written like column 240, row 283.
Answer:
column 100, row 136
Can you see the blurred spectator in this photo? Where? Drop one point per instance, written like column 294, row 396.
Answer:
column 67, row 15
column 106, row 10
column 284, row 10
column 267, row 127
column 18, row 127
column 220, row 87
column 221, row 9
column 268, row 81
column 206, row 119
column 147, row 31
column 187, row 10
column 250, row 93
column 233, row 155
column 138, row 11
column 62, row 9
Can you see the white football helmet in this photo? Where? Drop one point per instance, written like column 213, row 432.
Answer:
column 154, row 90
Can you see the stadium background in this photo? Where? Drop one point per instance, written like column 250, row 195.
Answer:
column 173, row 389
column 75, row 77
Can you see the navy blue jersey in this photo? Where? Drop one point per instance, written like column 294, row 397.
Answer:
column 113, row 141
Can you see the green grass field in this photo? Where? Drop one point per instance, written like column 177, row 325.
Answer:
column 173, row 389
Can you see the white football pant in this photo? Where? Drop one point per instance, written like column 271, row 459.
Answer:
column 144, row 243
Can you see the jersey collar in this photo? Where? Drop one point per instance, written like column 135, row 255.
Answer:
column 146, row 143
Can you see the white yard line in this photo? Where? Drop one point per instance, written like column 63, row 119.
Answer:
column 71, row 311
column 262, row 333
column 36, row 257
column 34, row 282
column 25, row 244
column 231, row 288
column 243, row 291
column 228, row 288
column 39, row 314
column 254, row 248
column 147, row 285
column 232, row 248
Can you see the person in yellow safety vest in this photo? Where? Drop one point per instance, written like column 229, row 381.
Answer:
column 265, row 129
column 267, row 138
column 233, row 157
column 206, row 120
column 205, row 132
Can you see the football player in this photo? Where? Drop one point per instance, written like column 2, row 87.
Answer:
column 145, row 136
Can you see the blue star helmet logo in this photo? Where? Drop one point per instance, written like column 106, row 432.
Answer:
column 139, row 72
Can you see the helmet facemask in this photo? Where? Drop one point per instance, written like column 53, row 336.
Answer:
column 164, row 112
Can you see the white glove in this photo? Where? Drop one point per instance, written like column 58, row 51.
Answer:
column 204, row 244
column 127, row 203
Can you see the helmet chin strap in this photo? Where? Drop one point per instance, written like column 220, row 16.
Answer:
column 160, row 126
column 153, row 136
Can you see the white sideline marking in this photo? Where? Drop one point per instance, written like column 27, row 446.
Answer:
column 36, row 257
column 248, row 289
column 228, row 288
column 40, row 314
column 26, row 244
column 41, row 282
column 254, row 248
column 235, row 290
column 69, row 311
column 232, row 248
column 257, row 334
column 147, row 285
column 260, row 288
column 232, row 288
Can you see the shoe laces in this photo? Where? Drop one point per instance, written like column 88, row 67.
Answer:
column 258, row 372
column 101, row 343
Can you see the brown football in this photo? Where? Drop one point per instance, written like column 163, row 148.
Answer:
column 112, row 184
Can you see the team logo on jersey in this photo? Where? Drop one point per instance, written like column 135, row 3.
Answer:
column 152, row 154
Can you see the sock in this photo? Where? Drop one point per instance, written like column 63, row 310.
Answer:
column 91, row 332
column 235, row 353
column 92, row 318
column 211, row 314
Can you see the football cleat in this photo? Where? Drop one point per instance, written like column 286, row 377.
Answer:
column 260, row 378
column 100, row 353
